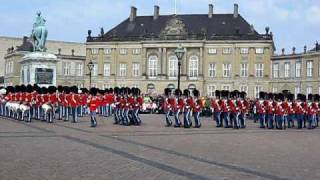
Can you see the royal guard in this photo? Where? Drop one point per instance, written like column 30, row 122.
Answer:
column 290, row 111
column 224, row 108
column 243, row 107
column 117, row 117
column 53, row 100
column 311, row 112
column 168, row 105
column 138, row 105
column 73, row 103
column 123, row 119
column 83, row 96
column 178, row 108
column 130, row 106
column 279, row 111
column 216, row 109
column 67, row 99
column 196, row 108
column 103, row 106
column 93, row 105
column 187, row 109
column 60, row 100
column 110, row 99
column 261, row 109
column 234, row 111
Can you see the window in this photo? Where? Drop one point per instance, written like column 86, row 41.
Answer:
column 244, row 50
column 259, row 70
column 135, row 69
column 9, row 67
column 212, row 70
column 136, row 51
column 309, row 68
column 276, row 70
column 226, row 87
column 274, row 89
column 153, row 66
column 106, row 69
column 123, row 69
column 226, row 70
column 309, row 90
column 244, row 70
column 123, row 51
column 211, row 90
column 244, row 89
column 94, row 51
column 79, row 69
column 257, row 91
column 95, row 69
column 298, row 69
column 173, row 66
column 286, row 69
column 226, row 50
column 212, row 51
column 297, row 90
column 66, row 68
column 193, row 66
column 107, row 50
column 259, row 50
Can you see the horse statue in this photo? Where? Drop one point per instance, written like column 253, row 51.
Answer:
column 39, row 34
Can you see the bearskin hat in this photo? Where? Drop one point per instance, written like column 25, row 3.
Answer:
column 290, row 97
column 178, row 92
column 10, row 89
column 262, row 95
column 243, row 95
column 310, row 97
column 196, row 93
column 93, row 91
column 116, row 90
column 110, row 90
column 186, row 92
column 23, row 88
column 225, row 94
column 52, row 89
column 66, row 89
column 218, row 93
column 316, row 97
column 167, row 91
column 29, row 88
column 60, row 89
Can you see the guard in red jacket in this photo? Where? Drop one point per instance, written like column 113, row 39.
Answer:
column 197, row 107
column 168, row 105
column 178, row 108
column 216, row 109
column 187, row 123
column 93, row 104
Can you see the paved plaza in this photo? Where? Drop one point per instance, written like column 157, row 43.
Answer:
column 65, row 150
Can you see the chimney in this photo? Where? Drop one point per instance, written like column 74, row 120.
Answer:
column 305, row 49
column 133, row 13
column 267, row 30
column 294, row 50
column 72, row 52
column 236, row 11
column 210, row 11
column 282, row 50
column 156, row 12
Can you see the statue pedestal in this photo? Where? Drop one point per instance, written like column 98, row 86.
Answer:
column 39, row 68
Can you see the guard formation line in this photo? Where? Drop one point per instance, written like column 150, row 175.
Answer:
column 181, row 108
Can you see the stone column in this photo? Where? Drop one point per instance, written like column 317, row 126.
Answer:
column 164, row 61
column 160, row 60
column 184, row 66
column 201, row 62
column 146, row 63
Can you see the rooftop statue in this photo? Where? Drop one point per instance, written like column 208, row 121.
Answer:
column 39, row 34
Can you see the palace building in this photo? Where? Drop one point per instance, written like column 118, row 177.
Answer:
column 297, row 72
column 222, row 52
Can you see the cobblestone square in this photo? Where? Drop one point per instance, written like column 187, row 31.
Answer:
column 65, row 150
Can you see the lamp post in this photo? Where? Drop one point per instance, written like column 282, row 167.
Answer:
column 90, row 67
column 179, row 52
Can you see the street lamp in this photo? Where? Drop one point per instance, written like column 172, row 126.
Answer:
column 90, row 67
column 179, row 52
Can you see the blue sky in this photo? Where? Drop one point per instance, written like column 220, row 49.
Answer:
column 293, row 22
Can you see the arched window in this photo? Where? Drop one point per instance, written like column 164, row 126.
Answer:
column 171, row 86
column 173, row 66
column 150, row 88
column 153, row 66
column 193, row 66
